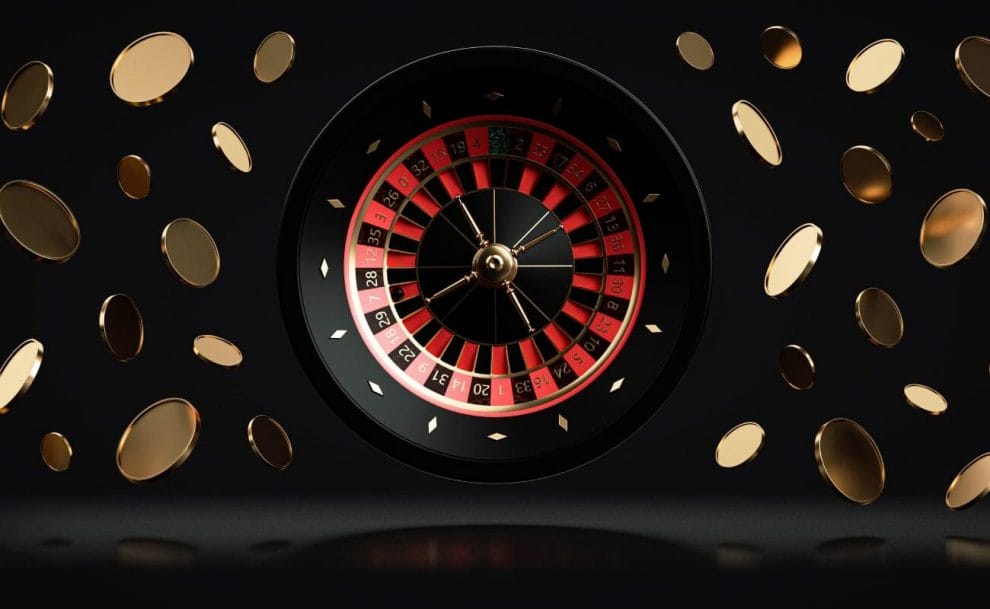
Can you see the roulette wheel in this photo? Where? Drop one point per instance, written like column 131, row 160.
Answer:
column 494, row 264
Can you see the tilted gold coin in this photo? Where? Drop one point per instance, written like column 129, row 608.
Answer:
column 27, row 95
column 792, row 262
column 797, row 367
column 217, row 350
column 150, row 68
column 874, row 66
column 928, row 126
column 121, row 327
column 971, row 484
column 38, row 221
column 879, row 317
column 755, row 130
column 232, row 147
column 19, row 371
column 973, row 63
column 191, row 252
column 56, row 451
column 739, row 445
column 866, row 174
column 269, row 441
column 925, row 398
column 695, row 50
column 850, row 461
column 134, row 176
column 953, row 227
column 274, row 57
column 781, row 47
column 159, row 440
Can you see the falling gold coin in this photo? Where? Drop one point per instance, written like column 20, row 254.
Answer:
column 792, row 262
column 191, row 252
column 274, row 56
column 159, row 440
column 19, row 371
column 850, row 461
column 134, row 176
column 879, row 317
column 38, row 221
column 866, row 174
column 121, row 327
column 953, row 227
column 232, row 147
column 150, row 67
column 756, row 131
column 56, row 451
column 695, row 50
column 781, row 47
column 739, row 445
column 966, row 552
column 925, row 398
column 27, row 95
column 928, row 126
column 973, row 63
column 216, row 350
column 269, row 441
column 970, row 485
column 874, row 65
column 797, row 367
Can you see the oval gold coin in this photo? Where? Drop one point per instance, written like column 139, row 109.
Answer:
column 191, row 252
column 159, row 440
column 797, row 367
column 953, row 227
column 973, row 63
column 232, row 147
column 781, row 47
column 19, row 371
column 756, row 131
column 739, row 445
column 150, row 68
column 792, row 262
column 56, row 451
column 866, row 174
column 216, row 350
column 269, row 441
column 850, row 461
column 925, row 398
column 38, row 221
column 121, row 327
column 695, row 50
column 274, row 57
column 879, row 317
column 971, row 484
column 876, row 64
column 134, row 177
column 27, row 95
column 928, row 126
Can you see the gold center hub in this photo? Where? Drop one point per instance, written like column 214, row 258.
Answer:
column 494, row 265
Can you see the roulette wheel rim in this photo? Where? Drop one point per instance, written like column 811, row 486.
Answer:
column 292, row 289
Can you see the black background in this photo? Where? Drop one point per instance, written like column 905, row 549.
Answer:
column 82, row 392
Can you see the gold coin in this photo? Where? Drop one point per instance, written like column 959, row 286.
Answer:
column 755, row 130
column 56, row 451
column 216, row 350
column 953, row 227
column 966, row 552
column 973, row 63
column 150, row 68
column 232, row 147
column 19, row 371
column 792, row 262
column 876, row 64
column 274, row 57
column 269, row 441
column 925, row 398
column 850, row 461
column 797, row 367
column 134, row 176
column 879, row 317
column 191, row 252
column 121, row 327
column 866, row 174
column 695, row 50
column 971, row 484
column 27, row 95
column 928, row 126
column 159, row 440
column 38, row 221
column 739, row 445
column 781, row 47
